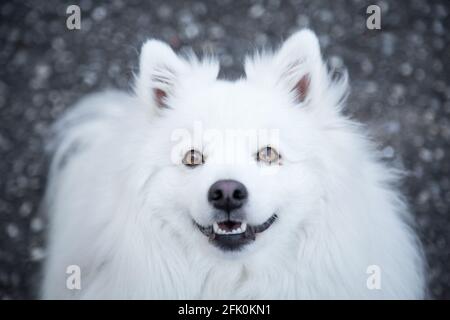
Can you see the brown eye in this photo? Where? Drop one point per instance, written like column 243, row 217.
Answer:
column 193, row 158
column 268, row 155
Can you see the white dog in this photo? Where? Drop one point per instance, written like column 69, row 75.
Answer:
column 148, row 208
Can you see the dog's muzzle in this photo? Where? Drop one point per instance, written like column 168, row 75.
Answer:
column 228, row 232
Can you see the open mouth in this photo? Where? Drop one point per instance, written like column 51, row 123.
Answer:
column 232, row 235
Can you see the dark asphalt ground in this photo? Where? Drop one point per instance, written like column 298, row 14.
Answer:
column 399, row 77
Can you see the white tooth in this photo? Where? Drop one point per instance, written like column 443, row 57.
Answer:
column 243, row 226
column 238, row 230
column 215, row 227
column 220, row 231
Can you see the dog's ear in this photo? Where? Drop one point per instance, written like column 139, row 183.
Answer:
column 297, row 67
column 159, row 68
column 299, row 64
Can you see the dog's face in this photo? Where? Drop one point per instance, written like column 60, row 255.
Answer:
column 240, row 164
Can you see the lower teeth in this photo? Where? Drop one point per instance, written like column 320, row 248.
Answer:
column 220, row 231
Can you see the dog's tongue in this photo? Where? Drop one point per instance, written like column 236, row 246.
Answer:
column 229, row 225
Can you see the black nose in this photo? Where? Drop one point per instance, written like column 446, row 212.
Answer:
column 227, row 195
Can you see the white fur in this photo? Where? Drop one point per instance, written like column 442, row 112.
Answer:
column 122, row 210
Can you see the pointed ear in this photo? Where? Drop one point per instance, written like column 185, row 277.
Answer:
column 299, row 64
column 159, row 68
column 296, row 67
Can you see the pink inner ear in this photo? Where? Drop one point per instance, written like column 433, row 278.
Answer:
column 160, row 96
column 302, row 87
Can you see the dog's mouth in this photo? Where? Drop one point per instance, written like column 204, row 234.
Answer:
column 232, row 235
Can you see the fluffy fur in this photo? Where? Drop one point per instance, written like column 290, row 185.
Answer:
column 122, row 208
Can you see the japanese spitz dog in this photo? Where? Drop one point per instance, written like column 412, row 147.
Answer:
column 147, row 197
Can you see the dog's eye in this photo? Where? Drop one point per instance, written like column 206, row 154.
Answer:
column 268, row 155
column 193, row 158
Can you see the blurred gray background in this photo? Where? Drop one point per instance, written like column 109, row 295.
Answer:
column 399, row 77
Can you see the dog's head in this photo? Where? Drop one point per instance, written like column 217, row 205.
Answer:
column 239, row 164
